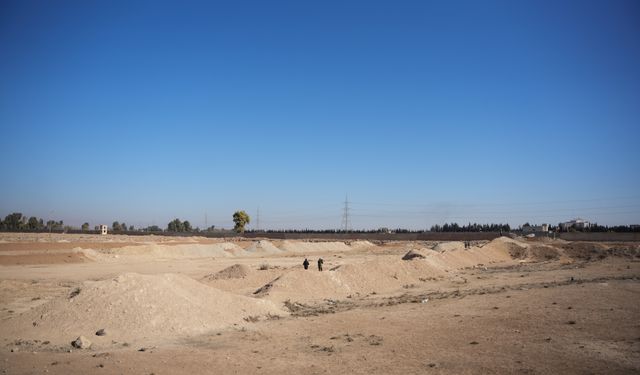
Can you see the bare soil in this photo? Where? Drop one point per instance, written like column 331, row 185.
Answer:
column 176, row 306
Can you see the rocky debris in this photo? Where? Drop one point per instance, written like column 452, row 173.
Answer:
column 74, row 293
column 81, row 343
column 412, row 254
column 101, row 332
column 264, row 290
column 374, row 340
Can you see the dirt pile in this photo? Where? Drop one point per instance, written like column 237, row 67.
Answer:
column 387, row 274
column 263, row 247
column 361, row 244
column 457, row 257
column 236, row 271
column 164, row 251
column 506, row 245
column 376, row 276
column 137, row 308
column 449, row 246
column 313, row 247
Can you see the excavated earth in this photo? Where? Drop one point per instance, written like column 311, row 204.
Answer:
column 164, row 305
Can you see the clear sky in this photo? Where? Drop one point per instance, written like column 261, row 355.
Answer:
column 421, row 111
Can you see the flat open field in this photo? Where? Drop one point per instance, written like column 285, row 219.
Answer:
column 164, row 305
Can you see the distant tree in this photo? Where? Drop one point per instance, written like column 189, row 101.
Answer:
column 123, row 226
column 115, row 226
column 85, row 227
column 153, row 228
column 13, row 221
column 33, row 223
column 241, row 219
column 131, row 228
column 175, row 226
column 187, row 226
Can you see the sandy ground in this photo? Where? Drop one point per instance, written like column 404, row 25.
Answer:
column 196, row 305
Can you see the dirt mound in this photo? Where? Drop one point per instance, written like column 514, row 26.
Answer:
column 237, row 271
column 386, row 274
column 137, row 308
column 496, row 251
column 530, row 251
column 360, row 244
column 380, row 276
column 449, row 246
column 263, row 246
column 223, row 249
column 312, row 247
column 505, row 245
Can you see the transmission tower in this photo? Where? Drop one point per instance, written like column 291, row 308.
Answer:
column 346, row 218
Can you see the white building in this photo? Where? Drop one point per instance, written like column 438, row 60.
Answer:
column 103, row 229
column 577, row 223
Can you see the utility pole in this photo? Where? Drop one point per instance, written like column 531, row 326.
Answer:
column 206, row 225
column 346, row 219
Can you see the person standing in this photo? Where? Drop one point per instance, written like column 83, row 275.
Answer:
column 320, row 261
column 305, row 264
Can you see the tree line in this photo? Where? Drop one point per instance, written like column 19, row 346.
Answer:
column 475, row 227
column 18, row 222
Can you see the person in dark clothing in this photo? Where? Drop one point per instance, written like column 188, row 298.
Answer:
column 320, row 261
column 305, row 263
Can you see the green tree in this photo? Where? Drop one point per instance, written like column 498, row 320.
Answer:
column 175, row 226
column 33, row 223
column 187, row 226
column 85, row 227
column 115, row 226
column 240, row 218
column 13, row 221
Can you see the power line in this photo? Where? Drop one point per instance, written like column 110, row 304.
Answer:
column 513, row 204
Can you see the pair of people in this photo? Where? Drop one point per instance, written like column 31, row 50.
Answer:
column 305, row 264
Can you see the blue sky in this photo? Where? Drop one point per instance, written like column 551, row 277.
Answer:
column 422, row 112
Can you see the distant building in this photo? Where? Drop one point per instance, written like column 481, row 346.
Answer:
column 535, row 228
column 103, row 229
column 576, row 223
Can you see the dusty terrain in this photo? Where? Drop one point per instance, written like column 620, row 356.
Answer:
column 196, row 305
